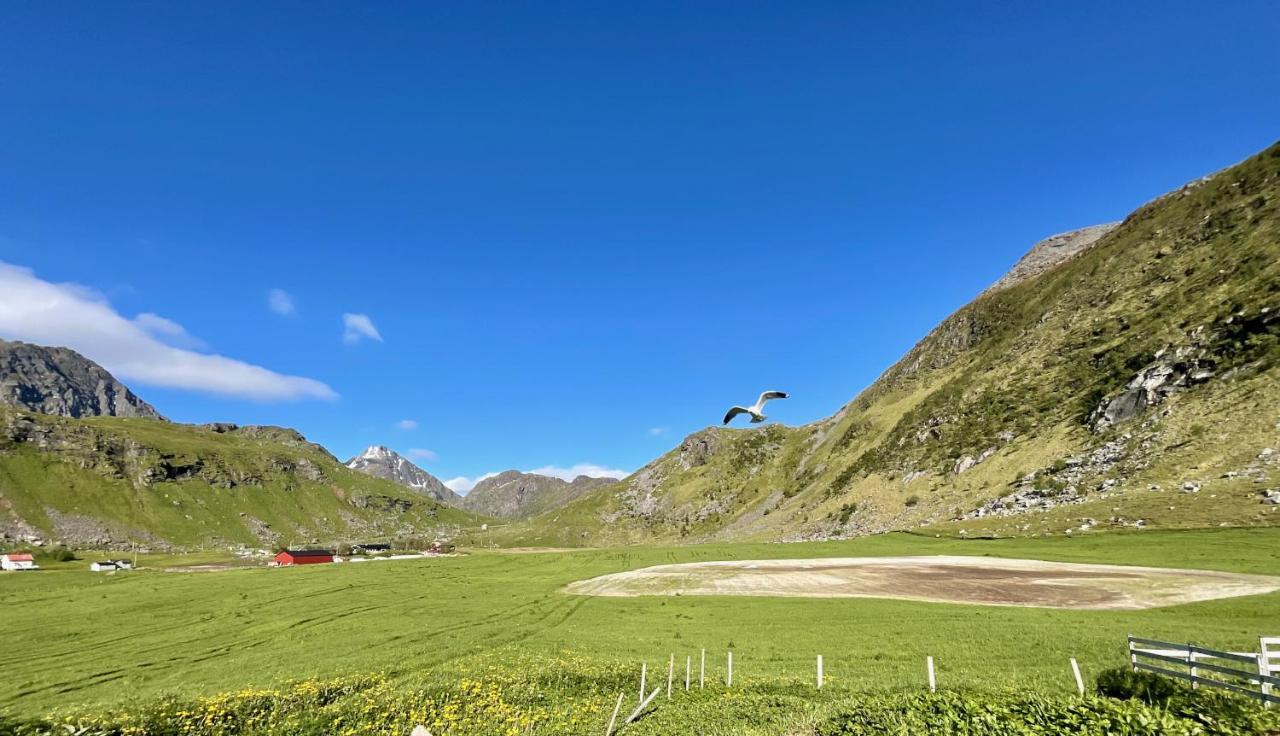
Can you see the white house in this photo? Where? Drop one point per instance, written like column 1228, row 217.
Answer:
column 18, row 561
column 109, row 565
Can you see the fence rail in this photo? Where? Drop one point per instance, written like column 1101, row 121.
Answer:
column 1253, row 674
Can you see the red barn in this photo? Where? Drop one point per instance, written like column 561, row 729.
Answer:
column 304, row 557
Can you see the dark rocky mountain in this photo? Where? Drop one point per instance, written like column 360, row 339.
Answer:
column 62, row 382
column 383, row 462
column 515, row 495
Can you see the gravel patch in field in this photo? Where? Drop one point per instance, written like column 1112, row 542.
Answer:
column 946, row 579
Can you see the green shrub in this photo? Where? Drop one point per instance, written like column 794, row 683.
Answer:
column 951, row 714
column 1125, row 684
column 846, row 511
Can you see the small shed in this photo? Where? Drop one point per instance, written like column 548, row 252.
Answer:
column 441, row 547
column 18, row 561
column 304, row 557
column 370, row 549
column 110, row 565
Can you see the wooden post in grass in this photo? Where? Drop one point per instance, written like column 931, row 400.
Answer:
column 819, row 671
column 702, row 669
column 1195, row 671
column 1075, row 670
column 614, row 718
column 933, row 685
column 1264, row 669
column 644, row 703
column 671, row 671
column 729, row 680
column 688, row 670
column 643, row 667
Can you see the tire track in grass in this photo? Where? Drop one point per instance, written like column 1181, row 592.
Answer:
column 78, row 647
column 225, row 647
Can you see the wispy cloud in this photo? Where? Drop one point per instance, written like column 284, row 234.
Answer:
column 407, row 424
column 462, row 484
column 77, row 317
column 168, row 331
column 590, row 470
column 280, row 302
column 657, row 431
column 422, row 453
column 357, row 327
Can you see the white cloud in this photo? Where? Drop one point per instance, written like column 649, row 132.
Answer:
column 407, row 424
column 280, row 302
column 166, row 330
column 357, row 327
column 463, row 485
column 587, row 469
column 422, row 453
column 657, row 431
column 73, row 316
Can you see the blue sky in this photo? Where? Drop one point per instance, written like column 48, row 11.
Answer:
column 571, row 234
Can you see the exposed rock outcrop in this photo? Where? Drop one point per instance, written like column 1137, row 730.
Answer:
column 1184, row 366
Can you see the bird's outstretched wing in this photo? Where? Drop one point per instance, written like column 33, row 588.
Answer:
column 771, row 395
column 735, row 411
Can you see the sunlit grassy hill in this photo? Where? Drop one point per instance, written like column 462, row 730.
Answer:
column 1100, row 389
column 110, row 481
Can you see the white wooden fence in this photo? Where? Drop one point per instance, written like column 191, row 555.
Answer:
column 1255, row 674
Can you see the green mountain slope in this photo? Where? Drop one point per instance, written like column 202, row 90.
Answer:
column 111, row 481
column 1133, row 384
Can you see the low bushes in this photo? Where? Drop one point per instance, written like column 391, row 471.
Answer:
column 572, row 697
column 985, row 715
column 1125, row 684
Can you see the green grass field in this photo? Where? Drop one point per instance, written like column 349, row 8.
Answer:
column 72, row 639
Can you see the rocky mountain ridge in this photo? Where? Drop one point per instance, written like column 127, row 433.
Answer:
column 62, row 382
column 383, row 462
column 516, row 495
column 1050, row 252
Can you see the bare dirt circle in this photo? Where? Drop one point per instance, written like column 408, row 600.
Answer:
column 947, row 579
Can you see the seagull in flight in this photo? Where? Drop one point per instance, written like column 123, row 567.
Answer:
column 755, row 411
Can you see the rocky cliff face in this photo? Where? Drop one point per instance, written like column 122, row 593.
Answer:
column 383, row 462
column 62, row 382
column 516, row 495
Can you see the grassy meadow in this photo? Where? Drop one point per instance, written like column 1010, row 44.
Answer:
column 74, row 640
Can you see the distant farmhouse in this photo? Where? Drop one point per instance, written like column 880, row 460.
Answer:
column 304, row 557
column 18, row 561
column 110, row 565
column 370, row 549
